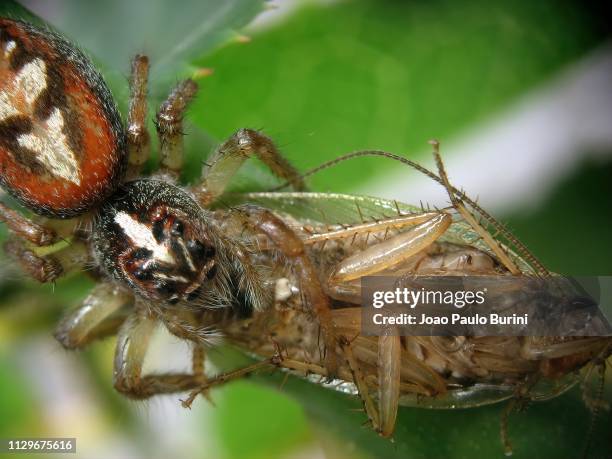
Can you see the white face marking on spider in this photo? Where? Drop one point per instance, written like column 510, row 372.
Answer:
column 142, row 236
column 47, row 139
column 186, row 255
column 176, row 278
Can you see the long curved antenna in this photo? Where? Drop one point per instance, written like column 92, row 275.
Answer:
column 468, row 217
column 522, row 250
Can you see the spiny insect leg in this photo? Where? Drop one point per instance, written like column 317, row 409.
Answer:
column 137, row 134
column 95, row 318
column 389, row 378
column 467, row 215
column 228, row 158
column 391, row 251
column 370, row 227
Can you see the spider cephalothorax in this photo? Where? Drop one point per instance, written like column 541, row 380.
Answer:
column 153, row 236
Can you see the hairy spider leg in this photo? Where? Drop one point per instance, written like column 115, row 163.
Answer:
column 132, row 343
column 138, row 138
column 227, row 159
column 290, row 245
column 97, row 317
column 47, row 268
column 25, row 228
column 169, row 123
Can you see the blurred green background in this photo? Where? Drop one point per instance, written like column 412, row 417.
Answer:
column 518, row 92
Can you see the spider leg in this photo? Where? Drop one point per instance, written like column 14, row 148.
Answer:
column 228, row 158
column 169, row 124
column 26, row 228
column 96, row 318
column 290, row 245
column 137, row 134
column 132, row 343
column 46, row 268
column 223, row 378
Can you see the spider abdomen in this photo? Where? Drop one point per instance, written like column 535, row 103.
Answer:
column 62, row 142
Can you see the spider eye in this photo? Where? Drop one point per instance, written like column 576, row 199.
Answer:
column 141, row 254
column 200, row 251
column 178, row 228
column 143, row 274
column 158, row 230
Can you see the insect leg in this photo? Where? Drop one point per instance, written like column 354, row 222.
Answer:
column 503, row 427
column 228, row 158
column 389, row 378
column 373, row 259
column 534, row 348
column 137, row 134
column 369, row 227
column 26, row 228
column 361, row 384
column 227, row 377
column 169, row 122
column 391, row 251
column 95, row 318
column 467, row 215
column 46, row 268
column 596, row 403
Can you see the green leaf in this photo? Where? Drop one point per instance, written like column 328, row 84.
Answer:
column 386, row 75
column 172, row 34
column 19, row 409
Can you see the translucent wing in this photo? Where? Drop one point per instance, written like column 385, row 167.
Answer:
column 347, row 209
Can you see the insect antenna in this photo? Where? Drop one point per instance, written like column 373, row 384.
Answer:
column 517, row 245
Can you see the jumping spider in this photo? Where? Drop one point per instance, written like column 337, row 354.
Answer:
column 160, row 254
